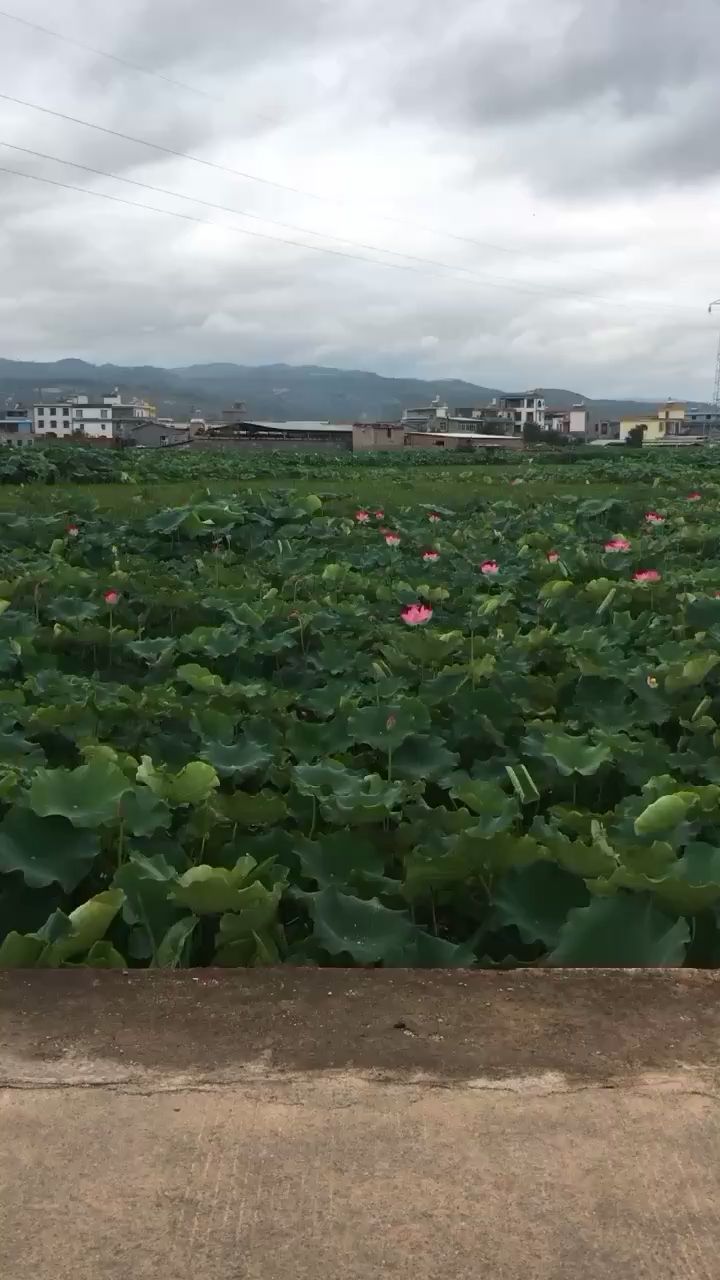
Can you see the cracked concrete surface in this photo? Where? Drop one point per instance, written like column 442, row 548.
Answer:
column 276, row 1125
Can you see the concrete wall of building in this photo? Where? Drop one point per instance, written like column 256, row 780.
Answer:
column 578, row 421
column 373, row 435
column 338, row 444
column 653, row 428
column 431, row 440
column 440, row 440
column 59, row 422
column 602, row 430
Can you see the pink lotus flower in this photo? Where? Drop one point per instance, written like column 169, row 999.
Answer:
column 390, row 722
column 416, row 615
column 617, row 544
column 430, row 556
column 111, row 598
column 694, row 496
column 489, row 567
column 552, row 557
column 647, row 575
column 72, row 531
column 362, row 517
column 654, row 517
column 392, row 539
column 379, row 515
column 433, row 517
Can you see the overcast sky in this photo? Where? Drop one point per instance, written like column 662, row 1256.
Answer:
column 557, row 160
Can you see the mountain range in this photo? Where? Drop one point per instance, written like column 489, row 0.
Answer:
column 276, row 391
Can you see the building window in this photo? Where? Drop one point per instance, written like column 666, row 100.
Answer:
column 66, row 412
column 78, row 413
column 603, row 428
column 53, row 413
column 389, row 433
column 103, row 413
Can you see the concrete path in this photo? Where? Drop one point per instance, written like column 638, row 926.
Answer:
column 343, row 1125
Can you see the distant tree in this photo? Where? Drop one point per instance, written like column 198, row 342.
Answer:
column 533, row 434
column 635, row 436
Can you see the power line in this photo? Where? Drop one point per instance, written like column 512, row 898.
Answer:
column 251, row 177
column 102, row 53
column 241, row 213
column 289, row 226
column 208, row 222
column 168, row 151
column 465, row 278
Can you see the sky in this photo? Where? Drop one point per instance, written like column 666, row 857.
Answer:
column 516, row 193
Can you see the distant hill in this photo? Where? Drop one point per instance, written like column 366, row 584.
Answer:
column 274, row 391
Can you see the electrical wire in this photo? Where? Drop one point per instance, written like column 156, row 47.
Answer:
column 241, row 213
column 252, row 177
column 289, row 226
column 208, row 222
column 102, row 53
column 465, row 278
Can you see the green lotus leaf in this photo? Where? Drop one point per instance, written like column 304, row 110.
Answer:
column 424, row 951
column 692, row 673
column 20, row 951
column 661, row 815
column 88, row 924
column 147, row 906
column 687, row 885
column 306, row 740
column 626, row 931
column 259, row 809
column 323, row 779
column 200, row 678
column 258, row 911
column 343, row 859
column 143, row 812
column 466, row 858
column 72, row 609
column 156, row 651
column 496, row 810
column 363, row 929
column 46, row 850
column 192, row 785
column 363, row 800
column 174, row 947
column 425, row 758
column 88, row 796
column 238, row 760
column 568, row 752
column 387, row 727
column 103, row 955
column 212, row 890
column 537, row 899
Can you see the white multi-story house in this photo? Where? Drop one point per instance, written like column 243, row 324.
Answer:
column 98, row 418
column 440, row 417
column 526, row 407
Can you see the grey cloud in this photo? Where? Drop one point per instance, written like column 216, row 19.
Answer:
column 642, row 73
column 220, row 35
column 446, row 116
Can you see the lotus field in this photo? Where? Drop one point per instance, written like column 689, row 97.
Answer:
column 259, row 729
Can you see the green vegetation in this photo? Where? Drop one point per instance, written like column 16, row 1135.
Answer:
column 221, row 743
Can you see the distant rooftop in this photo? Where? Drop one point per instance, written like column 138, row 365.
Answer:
column 299, row 427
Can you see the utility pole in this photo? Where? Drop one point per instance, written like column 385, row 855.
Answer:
column 716, row 388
